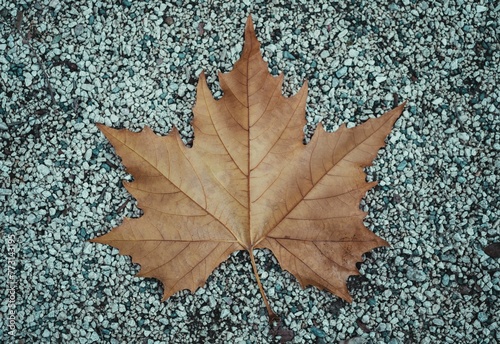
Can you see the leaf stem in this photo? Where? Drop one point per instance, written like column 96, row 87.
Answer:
column 272, row 316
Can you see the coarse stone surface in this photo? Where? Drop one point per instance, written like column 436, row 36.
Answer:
column 66, row 65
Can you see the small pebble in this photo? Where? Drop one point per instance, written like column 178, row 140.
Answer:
column 44, row 170
column 481, row 8
column 353, row 53
column 318, row 332
column 438, row 322
column 416, row 275
column 402, row 165
column 341, row 72
column 437, row 101
column 482, row 317
column 78, row 29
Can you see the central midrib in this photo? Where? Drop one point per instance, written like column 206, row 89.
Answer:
column 250, row 244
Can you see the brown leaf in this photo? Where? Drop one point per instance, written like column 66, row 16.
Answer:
column 247, row 183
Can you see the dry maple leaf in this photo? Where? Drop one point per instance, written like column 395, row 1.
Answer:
column 249, row 182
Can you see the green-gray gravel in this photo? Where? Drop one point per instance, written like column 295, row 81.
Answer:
column 135, row 63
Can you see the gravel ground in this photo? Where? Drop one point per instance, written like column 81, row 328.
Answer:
column 67, row 65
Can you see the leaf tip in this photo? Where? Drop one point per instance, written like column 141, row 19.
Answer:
column 166, row 293
column 127, row 184
column 371, row 185
column 101, row 126
column 398, row 110
column 250, row 31
column 97, row 240
column 346, row 296
column 303, row 89
column 249, row 22
column 383, row 243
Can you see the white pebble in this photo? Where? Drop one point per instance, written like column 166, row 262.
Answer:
column 481, row 8
column 88, row 154
column 353, row 53
column 437, row 101
column 28, row 79
column 87, row 87
column 44, row 170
